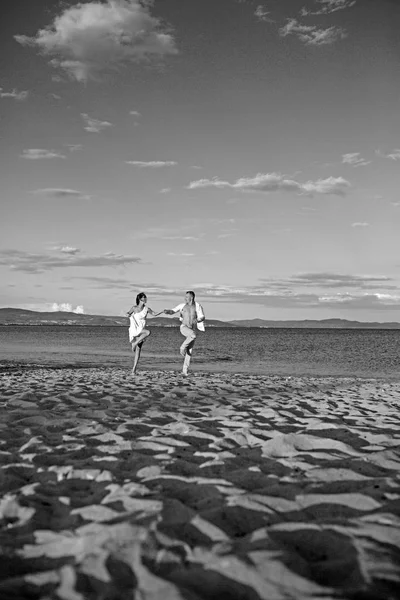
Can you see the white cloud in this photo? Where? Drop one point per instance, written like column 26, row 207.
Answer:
column 360, row 224
column 69, row 250
column 393, row 154
column 354, row 159
column 152, row 163
column 330, row 185
column 94, row 125
column 67, row 307
column 180, row 254
column 66, row 249
column 92, row 37
column 39, row 153
column 28, row 262
column 135, row 113
column 362, row 301
column 328, row 280
column 328, row 6
column 61, row 193
column 14, row 94
column 165, row 190
column 274, row 182
column 262, row 14
column 311, row 35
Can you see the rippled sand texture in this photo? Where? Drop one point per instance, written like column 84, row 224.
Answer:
column 214, row 487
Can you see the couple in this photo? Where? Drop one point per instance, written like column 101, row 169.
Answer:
column 191, row 316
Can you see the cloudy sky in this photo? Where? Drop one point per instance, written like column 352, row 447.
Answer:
column 247, row 150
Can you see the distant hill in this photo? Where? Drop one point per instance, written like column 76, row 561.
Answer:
column 18, row 316
column 314, row 324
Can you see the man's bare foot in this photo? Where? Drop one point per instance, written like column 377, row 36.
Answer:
column 133, row 373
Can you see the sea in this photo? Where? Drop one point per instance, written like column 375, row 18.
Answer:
column 291, row 352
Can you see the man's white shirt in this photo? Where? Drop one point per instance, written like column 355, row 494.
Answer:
column 199, row 311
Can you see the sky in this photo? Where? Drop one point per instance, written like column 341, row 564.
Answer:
column 246, row 150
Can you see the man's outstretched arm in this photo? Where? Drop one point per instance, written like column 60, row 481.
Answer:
column 173, row 311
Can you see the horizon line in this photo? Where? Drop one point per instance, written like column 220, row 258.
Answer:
column 211, row 319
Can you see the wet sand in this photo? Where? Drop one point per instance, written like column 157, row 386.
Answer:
column 215, row 486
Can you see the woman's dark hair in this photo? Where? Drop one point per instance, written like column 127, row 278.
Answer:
column 139, row 297
column 192, row 294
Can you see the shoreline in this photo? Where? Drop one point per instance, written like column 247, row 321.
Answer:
column 198, row 368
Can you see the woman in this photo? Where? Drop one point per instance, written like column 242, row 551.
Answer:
column 137, row 332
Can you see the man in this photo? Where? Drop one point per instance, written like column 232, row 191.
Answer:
column 191, row 316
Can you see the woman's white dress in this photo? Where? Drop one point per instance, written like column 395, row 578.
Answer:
column 137, row 323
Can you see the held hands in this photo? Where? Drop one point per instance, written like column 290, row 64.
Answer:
column 168, row 311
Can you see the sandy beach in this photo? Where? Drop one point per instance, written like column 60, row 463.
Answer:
column 215, row 486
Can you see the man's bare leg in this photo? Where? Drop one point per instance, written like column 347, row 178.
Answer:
column 188, row 356
column 184, row 346
column 190, row 337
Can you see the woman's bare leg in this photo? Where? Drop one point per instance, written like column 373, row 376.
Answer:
column 138, row 350
column 145, row 333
